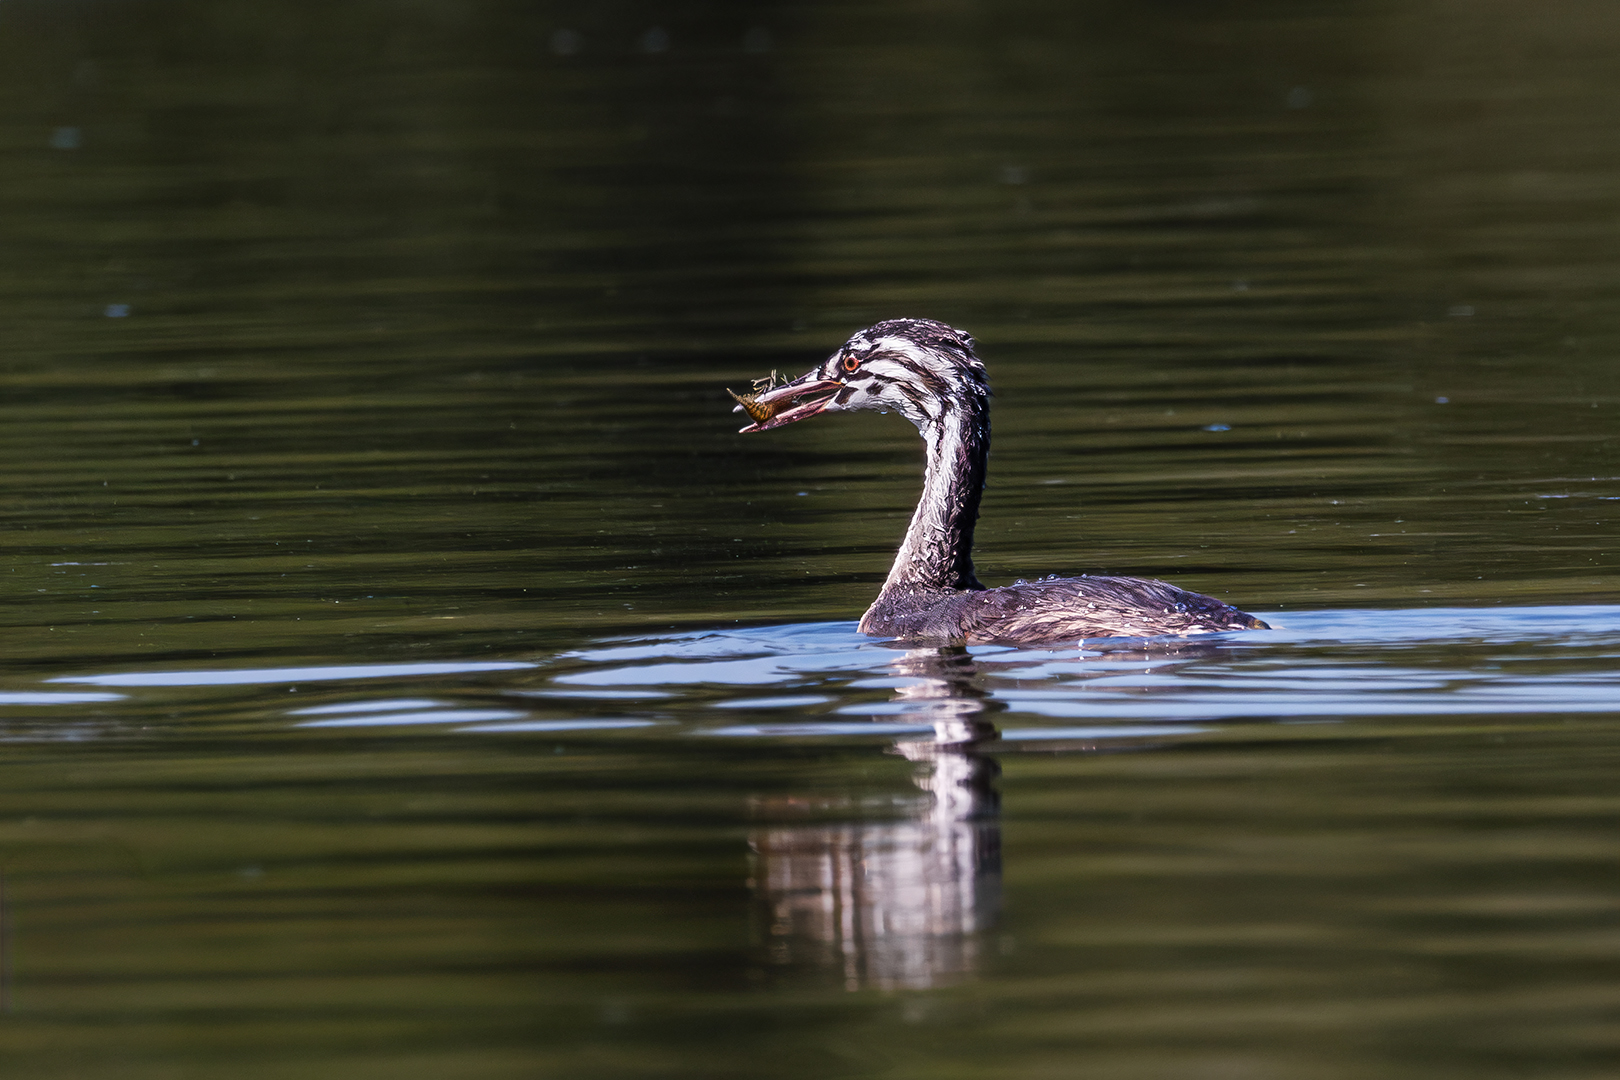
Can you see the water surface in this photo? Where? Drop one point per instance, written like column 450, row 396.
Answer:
column 409, row 671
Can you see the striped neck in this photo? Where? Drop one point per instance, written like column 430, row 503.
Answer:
column 937, row 554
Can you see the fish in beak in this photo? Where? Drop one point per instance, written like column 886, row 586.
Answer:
column 793, row 401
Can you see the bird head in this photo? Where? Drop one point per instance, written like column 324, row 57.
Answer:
column 918, row 368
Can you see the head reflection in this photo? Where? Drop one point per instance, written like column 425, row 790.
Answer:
column 896, row 904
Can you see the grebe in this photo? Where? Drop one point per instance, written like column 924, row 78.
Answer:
column 928, row 373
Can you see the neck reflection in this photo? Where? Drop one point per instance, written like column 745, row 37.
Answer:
column 896, row 904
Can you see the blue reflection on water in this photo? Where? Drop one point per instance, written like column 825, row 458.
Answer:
column 426, row 716
column 250, row 676
column 547, row 726
column 54, row 697
column 1426, row 662
column 828, row 681
column 813, row 728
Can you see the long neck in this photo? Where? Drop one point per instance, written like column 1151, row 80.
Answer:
column 938, row 549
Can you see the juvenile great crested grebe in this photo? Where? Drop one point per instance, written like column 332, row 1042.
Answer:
column 927, row 372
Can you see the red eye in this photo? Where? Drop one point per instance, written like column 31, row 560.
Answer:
column 852, row 364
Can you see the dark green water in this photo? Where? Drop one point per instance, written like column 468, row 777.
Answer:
column 409, row 672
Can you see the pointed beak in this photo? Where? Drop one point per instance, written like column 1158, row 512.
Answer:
column 798, row 400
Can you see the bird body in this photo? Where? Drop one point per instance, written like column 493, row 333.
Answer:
column 1053, row 609
column 929, row 373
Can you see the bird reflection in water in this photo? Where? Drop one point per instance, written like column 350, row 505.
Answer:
column 895, row 904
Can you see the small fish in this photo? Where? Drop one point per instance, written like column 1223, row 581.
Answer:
column 757, row 412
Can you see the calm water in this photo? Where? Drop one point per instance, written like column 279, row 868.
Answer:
column 409, row 671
